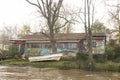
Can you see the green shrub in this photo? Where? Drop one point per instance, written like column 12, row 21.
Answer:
column 99, row 57
column 108, row 66
column 13, row 52
column 81, row 56
column 112, row 50
column 81, row 60
column 117, row 60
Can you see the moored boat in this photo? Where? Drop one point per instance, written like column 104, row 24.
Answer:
column 56, row 57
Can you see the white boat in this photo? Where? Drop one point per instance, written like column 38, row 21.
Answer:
column 46, row 57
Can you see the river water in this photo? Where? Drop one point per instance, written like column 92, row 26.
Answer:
column 30, row 73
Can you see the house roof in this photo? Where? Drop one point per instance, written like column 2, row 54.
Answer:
column 59, row 37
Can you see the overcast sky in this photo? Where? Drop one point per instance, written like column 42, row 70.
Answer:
column 19, row 12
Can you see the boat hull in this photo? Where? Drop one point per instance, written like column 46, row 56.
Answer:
column 46, row 57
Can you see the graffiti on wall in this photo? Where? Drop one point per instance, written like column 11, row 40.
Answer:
column 45, row 51
column 100, row 47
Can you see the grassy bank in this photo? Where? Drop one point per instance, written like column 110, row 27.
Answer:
column 51, row 64
column 63, row 64
column 108, row 66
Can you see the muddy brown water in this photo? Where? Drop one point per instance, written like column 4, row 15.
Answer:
column 30, row 73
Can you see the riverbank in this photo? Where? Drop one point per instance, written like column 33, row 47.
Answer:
column 62, row 64
column 45, row 64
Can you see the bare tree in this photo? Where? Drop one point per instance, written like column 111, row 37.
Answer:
column 114, row 13
column 66, row 29
column 64, row 23
column 7, row 33
column 4, row 40
column 50, row 10
column 89, row 34
column 88, row 12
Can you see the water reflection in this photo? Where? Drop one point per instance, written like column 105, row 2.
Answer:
column 29, row 73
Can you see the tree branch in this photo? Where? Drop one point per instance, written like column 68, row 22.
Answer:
column 38, row 6
column 44, row 33
column 67, row 21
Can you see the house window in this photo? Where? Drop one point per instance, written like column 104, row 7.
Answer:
column 35, row 45
column 74, row 45
column 67, row 45
column 47, row 45
column 44, row 45
column 28, row 45
column 60, row 45
column 38, row 45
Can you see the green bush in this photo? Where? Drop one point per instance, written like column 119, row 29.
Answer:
column 108, row 66
column 13, row 52
column 99, row 57
column 117, row 60
column 81, row 60
column 112, row 50
column 81, row 56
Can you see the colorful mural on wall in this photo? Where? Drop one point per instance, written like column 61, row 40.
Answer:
column 100, row 47
column 45, row 51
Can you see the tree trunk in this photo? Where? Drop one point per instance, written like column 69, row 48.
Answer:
column 119, row 36
column 53, row 42
column 90, row 61
column 53, row 45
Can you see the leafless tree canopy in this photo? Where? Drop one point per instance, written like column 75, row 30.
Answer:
column 114, row 14
column 50, row 10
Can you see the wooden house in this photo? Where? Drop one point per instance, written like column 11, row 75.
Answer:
column 65, row 42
